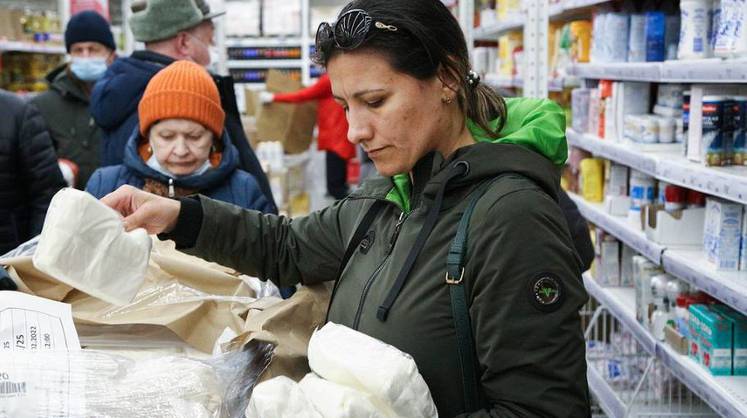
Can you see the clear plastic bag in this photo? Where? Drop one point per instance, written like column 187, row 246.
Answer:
column 26, row 249
column 99, row 384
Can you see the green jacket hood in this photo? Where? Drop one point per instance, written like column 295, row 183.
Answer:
column 533, row 124
column 536, row 124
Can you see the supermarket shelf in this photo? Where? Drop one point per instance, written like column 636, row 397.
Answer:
column 242, row 64
column 621, row 303
column 499, row 81
column 644, row 71
column 491, row 32
column 620, row 228
column 621, row 153
column 610, row 403
column 726, row 182
column 686, row 263
column 569, row 5
column 31, row 47
column 685, row 71
column 705, row 71
column 727, row 395
column 692, row 266
column 262, row 42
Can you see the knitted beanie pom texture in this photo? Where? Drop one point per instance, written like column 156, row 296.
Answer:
column 183, row 90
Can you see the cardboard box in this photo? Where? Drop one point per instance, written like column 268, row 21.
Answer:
column 291, row 124
column 739, row 338
column 722, row 233
column 682, row 227
column 711, row 343
column 676, row 340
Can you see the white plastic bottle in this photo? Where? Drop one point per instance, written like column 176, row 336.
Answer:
column 661, row 311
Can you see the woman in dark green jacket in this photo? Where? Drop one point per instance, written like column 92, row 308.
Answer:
column 493, row 322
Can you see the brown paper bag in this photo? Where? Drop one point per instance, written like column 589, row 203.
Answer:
column 287, row 324
column 195, row 299
column 291, row 124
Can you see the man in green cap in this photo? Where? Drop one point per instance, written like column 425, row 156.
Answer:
column 171, row 30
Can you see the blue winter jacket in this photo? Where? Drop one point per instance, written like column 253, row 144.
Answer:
column 226, row 182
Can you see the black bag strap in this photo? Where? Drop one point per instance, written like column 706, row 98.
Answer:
column 459, row 308
column 358, row 235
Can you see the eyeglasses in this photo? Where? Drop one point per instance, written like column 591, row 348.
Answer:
column 350, row 30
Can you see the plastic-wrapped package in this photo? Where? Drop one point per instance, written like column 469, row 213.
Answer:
column 83, row 244
column 280, row 397
column 334, row 400
column 342, row 355
column 98, row 384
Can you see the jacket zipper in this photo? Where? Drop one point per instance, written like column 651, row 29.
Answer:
column 376, row 272
column 172, row 193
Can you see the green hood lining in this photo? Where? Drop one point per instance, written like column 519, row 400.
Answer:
column 537, row 124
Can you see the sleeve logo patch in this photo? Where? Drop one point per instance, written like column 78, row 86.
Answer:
column 546, row 292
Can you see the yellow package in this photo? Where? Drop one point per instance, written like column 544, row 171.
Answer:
column 507, row 44
column 580, row 40
column 592, row 183
column 508, row 8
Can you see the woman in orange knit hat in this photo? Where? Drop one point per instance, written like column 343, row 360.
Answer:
column 180, row 147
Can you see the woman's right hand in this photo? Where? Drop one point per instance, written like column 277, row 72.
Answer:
column 141, row 209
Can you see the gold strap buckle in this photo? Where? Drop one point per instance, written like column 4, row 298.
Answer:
column 450, row 280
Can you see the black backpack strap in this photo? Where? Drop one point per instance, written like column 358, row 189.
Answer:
column 358, row 235
column 459, row 306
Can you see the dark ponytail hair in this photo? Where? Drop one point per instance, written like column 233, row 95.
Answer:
column 428, row 42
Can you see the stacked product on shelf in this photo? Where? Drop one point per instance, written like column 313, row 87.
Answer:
column 21, row 33
column 25, row 25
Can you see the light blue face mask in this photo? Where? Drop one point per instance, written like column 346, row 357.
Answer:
column 88, row 69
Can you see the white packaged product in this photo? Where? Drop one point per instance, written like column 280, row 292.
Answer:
column 649, row 129
column 83, row 244
column 695, row 27
column 334, row 400
column 667, row 128
column 722, row 233
column 641, row 193
column 609, row 271
column 730, row 17
column 280, row 397
column 616, row 37
column 670, row 95
column 580, row 109
column 356, row 360
column 643, row 271
column 626, row 266
column 637, row 38
column 617, row 180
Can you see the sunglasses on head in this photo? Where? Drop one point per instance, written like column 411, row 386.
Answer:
column 350, row 30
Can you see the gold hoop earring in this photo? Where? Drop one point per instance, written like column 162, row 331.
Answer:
column 447, row 100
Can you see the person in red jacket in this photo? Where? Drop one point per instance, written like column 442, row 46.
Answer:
column 333, row 130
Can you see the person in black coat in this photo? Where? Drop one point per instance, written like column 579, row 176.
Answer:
column 29, row 172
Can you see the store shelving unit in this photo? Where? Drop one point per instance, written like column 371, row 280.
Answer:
column 726, row 182
column 266, row 63
column 37, row 48
column 692, row 71
column 727, row 395
column 687, row 263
